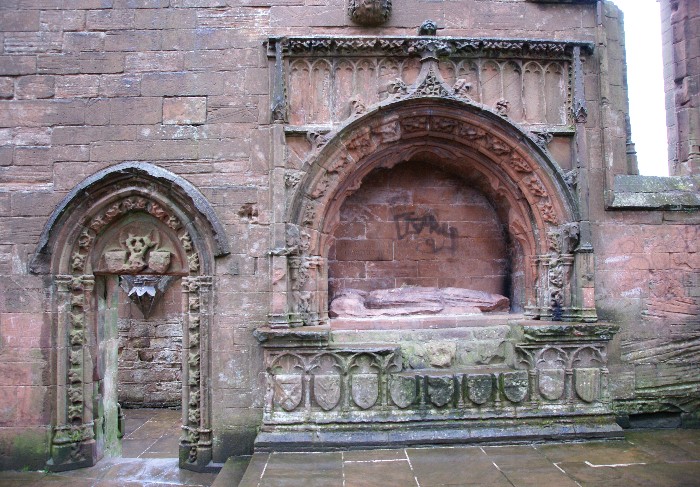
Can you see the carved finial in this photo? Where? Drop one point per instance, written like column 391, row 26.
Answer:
column 428, row 28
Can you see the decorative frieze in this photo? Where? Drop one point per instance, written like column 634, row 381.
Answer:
column 415, row 45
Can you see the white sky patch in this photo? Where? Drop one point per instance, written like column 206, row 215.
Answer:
column 646, row 84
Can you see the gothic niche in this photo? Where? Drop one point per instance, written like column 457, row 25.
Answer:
column 418, row 240
column 369, row 12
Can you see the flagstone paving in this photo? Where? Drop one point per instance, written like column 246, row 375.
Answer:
column 664, row 458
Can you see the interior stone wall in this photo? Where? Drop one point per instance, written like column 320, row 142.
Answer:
column 150, row 350
column 417, row 225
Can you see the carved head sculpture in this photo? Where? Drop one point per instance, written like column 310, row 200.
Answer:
column 428, row 28
column 369, row 12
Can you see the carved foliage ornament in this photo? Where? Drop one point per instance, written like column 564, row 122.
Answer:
column 458, row 47
column 139, row 251
column 369, row 139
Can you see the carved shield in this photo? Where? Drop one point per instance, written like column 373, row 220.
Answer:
column 327, row 390
column 365, row 390
column 515, row 385
column 441, row 390
column 480, row 388
column 115, row 259
column 287, row 391
column 551, row 383
column 587, row 384
column 159, row 261
column 402, row 390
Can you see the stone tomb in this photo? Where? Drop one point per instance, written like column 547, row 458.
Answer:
column 435, row 280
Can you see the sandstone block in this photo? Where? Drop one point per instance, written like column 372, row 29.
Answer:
column 119, row 19
column 153, row 61
column 184, row 110
column 364, row 250
column 80, row 63
column 80, row 86
column 120, row 85
column 7, row 87
column 17, row 65
column 181, row 84
column 83, row 41
column 19, row 20
column 36, row 86
column 133, row 40
column 133, row 110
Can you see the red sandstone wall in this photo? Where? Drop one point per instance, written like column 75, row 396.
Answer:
column 184, row 84
column 416, row 225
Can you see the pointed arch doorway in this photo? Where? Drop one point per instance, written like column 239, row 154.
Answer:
column 140, row 221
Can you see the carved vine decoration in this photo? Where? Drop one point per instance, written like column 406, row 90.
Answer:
column 369, row 139
column 398, row 46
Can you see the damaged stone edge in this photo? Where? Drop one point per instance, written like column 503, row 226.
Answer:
column 633, row 192
column 160, row 175
column 301, row 336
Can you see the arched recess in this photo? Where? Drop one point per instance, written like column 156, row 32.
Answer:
column 129, row 219
column 540, row 209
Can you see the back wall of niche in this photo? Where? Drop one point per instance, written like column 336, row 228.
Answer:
column 417, row 224
column 150, row 349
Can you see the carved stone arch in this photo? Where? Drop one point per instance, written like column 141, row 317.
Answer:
column 139, row 220
column 498, row 149
column 125, row 179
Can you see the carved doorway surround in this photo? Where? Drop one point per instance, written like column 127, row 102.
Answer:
column 133, row 219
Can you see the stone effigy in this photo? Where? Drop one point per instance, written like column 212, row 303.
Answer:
column 407, row 301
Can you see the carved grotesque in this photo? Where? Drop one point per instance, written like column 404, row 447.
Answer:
column 369, row 12
column 428, row 28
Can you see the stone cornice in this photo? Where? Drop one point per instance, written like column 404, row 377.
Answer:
column 468, row 47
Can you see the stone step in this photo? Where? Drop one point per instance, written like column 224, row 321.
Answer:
column 232, row 472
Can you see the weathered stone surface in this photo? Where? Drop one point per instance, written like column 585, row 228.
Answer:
column 415, row 301
column 326, row 157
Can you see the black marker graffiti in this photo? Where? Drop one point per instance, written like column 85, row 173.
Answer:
column 410, row 223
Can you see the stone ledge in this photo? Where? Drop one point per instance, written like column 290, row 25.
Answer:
column 634, row 192
column 302, row 336
column 556, row 331
column 428, row 433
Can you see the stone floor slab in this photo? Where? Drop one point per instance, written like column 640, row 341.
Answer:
column 645, row 458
